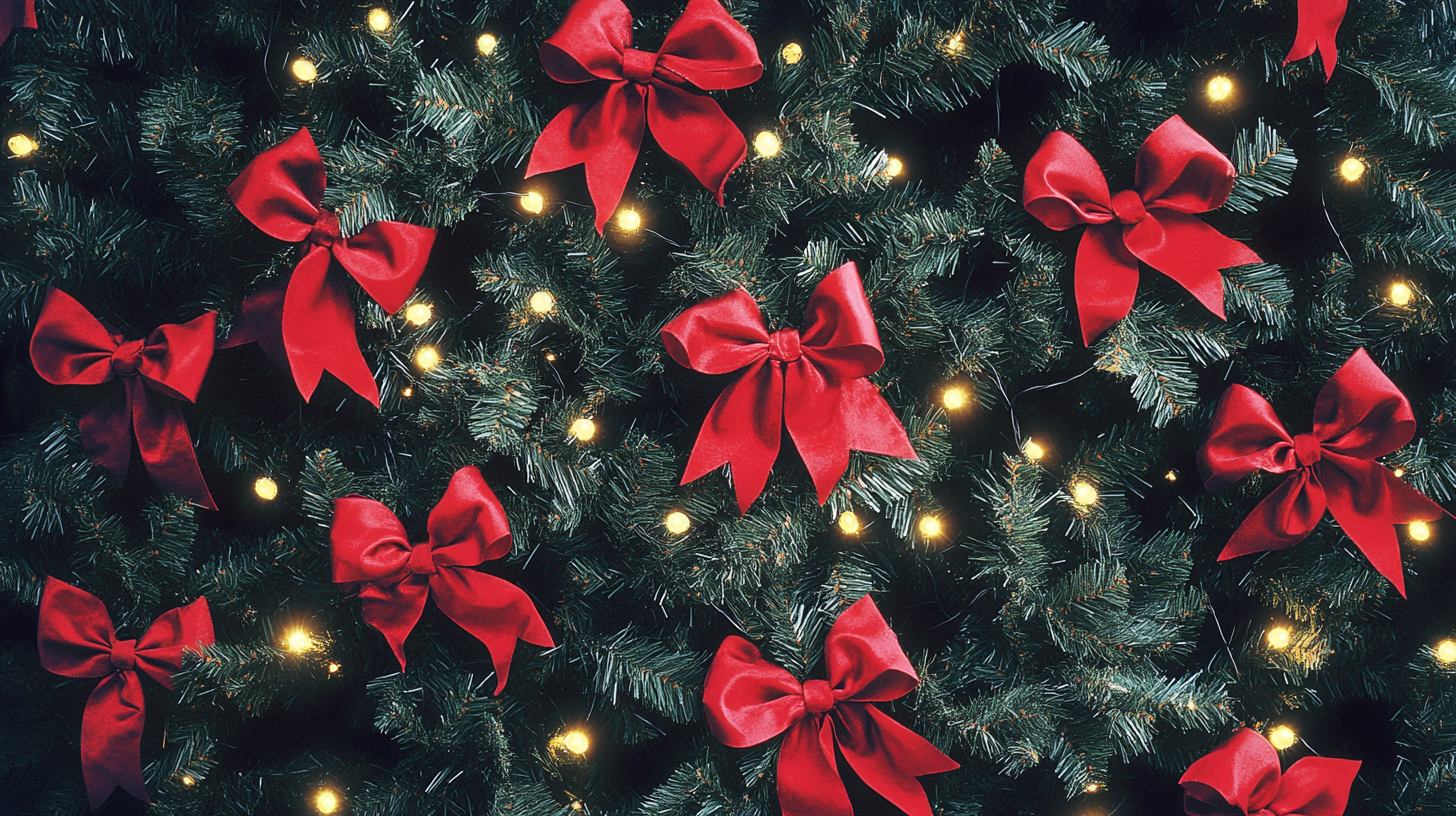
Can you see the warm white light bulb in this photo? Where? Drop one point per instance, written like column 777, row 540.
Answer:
column 304, row 70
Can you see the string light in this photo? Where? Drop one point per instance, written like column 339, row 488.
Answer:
column 1419, row 531
column 1278, row 637
column 1283, row 738
column 542, row 302
column 576, row 804
column 583, row 429
column 379, row 20
column 792, row 53
column 550, row 356
column 677, row 522
column 1352, row 169
column 1446, row 651
column 533, row 202
column 334, row 668
column 1220, row 88
column 848, row 522
column 954, row 398
column 1033, row 451
column 304, row 70
column 298, row 641
column 266, row 488
column 767, row 144
column 486, row 44
column 1401, row 294
column 406, row 392
column 1171, row 475
column 1398, row 472
column 418, row 314
column 628, row 220
column 955, row 44
column 1092, row 787
column 21, row 145
column 893, row 167
column 1084, row 494
column 326, row 801
column 576, row 742
column 188, row 780
column 930, row 526
column 427, row 358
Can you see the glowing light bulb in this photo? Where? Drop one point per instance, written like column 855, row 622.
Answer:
column 188, row 781
column 792, row 53
column 576, row 742
column 954, row 398
column 418, row 314
column 677, row 522
column 298, row 641
column 533, row 202
column 326, row 801
column 955, row 44
column 1033, row 451
column 1399, row 472
column 1220, row 88
column 629, row 220
column 848, row 523
column 334, row 668
column 21, row 145
column 486, row 44
column 266, row 488
column 1171, row 475
column 1352, row 169
column 427, row 357
column 379, row 20
column 1283, row 738
column 1446, row 651
column 542, row 302
column 1401, row 294
column 1092, row 787
column 1084, row 494
column 1419, row 531
column 767, row 144
column 550, row 356
column 304, row 70
column 1278, row 637
column 583, row 429
column 893, row 167
column 406, row 392
column 930, row 526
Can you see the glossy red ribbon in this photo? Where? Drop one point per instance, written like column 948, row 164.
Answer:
column 812, row 383
column 16, row 14
column 1242, row 778
column 1319, row 22
column 77, row 640
column 750, row 701
column 1178, row 173
column 467, row 528
column 307, row 323
column 1359, row 415
column 705, row 48
column 72, row 347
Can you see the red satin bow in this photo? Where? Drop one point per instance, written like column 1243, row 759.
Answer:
column 307, row 323
column 706, row 48
column 1178, row 173
column 1241, row 778
column 467, row 528
column 1359, row 415
column 71, row 347
column 16, row 14
column 815, row 381
column 749, row 701
column 1319, row 22
column 77, row 640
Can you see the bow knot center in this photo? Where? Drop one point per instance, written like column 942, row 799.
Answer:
column 325, row 229
column 639, row 66
column 126, row 360
column 1306, row 449
column 422, row 559
column 783, row 345
column 123, row 655
column 1128, row 207
column 818, row 697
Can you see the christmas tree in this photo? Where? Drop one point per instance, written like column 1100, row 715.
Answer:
column 1079, row 368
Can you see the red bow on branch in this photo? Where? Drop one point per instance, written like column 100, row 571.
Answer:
column 467, row 528
column 77, row 640
column 749, row 701
column 71, row 347
column 1178, row 173
column 307, row 323
column 1319, row 22
column 706, row 48
column 1241, row 778
column 1359, row 415
column 16, row 14
column 815, row 381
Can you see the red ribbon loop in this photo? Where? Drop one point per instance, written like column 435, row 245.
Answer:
column 76, row 639
column 1319, row 22
column 1359, row 415
column 1178, row 174
column 814, row 380
column 71, row 347
column 467, row 528
column 749, row 701
column 307, row 324
column 1242, row 778
column 706, row 48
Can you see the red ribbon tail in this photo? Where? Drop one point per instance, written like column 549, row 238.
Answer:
column 888, row 756
column 318, row 330
column 808, row 776
column 694, row 130
column 836, row 419
column 494, row 610
column 1368, row 501
column 106, row 431
column 1190, row 252
column 1319, row 22
column 605, row 136
column 1284, row 518
column 394, row 609
column 260, row 320
column 1105, row 280
column 744, row 430
column 111, row 738
column 166, row 447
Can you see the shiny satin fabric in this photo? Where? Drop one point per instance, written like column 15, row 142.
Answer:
column 1319, row 22
column 1242, row 778
column 466, row 528
column 307, row 323
column 76, row 639
column 1358, row 416
column 71, row 347
column 1179, row 174
column 812, row 382
column 749, row 701
column 706, row 48
column 16, row 14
